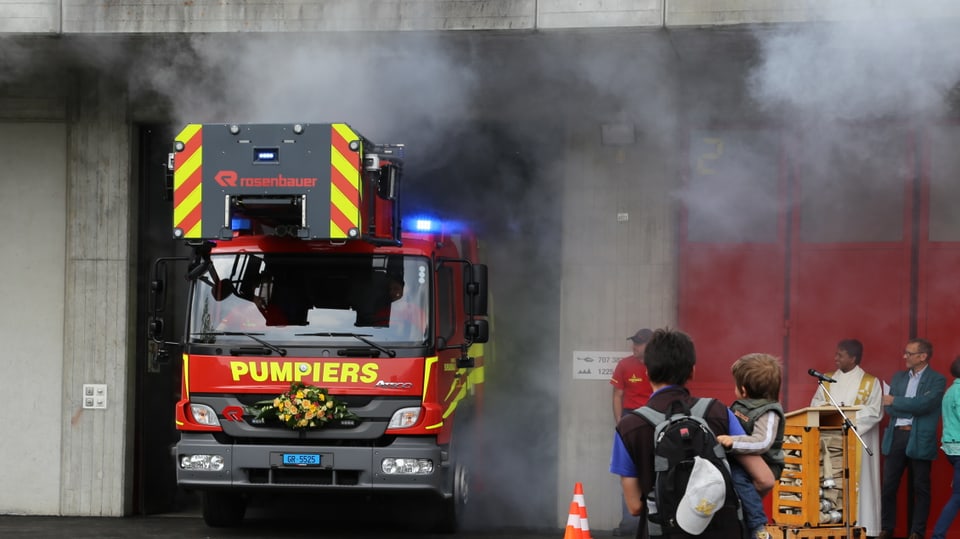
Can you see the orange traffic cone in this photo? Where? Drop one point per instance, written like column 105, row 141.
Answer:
column 573, row 523
column 582, row 506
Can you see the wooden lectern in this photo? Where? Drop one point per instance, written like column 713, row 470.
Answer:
column 818, row 487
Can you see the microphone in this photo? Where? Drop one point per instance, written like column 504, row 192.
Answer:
column 820, row 376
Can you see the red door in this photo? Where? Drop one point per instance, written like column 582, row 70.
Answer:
column 732, row 251
column 788, row 248
column 852, row 239
column 938, row 303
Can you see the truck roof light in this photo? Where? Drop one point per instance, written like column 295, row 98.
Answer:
column 421, row 223
column 424, row 225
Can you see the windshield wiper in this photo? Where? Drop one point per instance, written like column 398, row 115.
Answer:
column 361, row 338
column 269, row 346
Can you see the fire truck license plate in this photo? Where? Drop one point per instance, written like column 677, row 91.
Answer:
column 301, row 459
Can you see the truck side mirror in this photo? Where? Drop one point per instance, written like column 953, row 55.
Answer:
column 157, row 288
column 475, row 285
column 155, row 328
column 477, row 331
column 389, row 190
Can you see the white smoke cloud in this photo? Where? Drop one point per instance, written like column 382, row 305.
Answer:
column 894, row 60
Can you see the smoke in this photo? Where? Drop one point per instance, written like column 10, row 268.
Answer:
column 493, row 172
column 487, row 119
column 899, row 61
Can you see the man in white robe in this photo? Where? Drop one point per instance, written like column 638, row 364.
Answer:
column 856, row 387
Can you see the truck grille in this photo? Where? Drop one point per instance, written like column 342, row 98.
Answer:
column 282, row 476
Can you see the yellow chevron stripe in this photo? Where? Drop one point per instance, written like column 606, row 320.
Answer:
column 346, row 206
column 194, row 232
column 347, row 203
column 187, row 168
column 475, row 377
column 428, row 367
column 190, row 202
column 345, row 132
column 345, row 167
column 341, row 201
column 186, row 376
column 427, row 372
column 188, row 132
column 456, row 400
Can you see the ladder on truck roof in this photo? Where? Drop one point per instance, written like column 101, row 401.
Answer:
column 310, row 181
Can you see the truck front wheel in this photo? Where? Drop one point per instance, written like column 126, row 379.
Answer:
column 452, row 509
column 223, row 509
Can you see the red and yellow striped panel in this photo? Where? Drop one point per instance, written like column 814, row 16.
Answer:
column 187, row 182
column 344, row 182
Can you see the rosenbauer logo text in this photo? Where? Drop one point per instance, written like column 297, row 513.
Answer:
column 230, row 178
column 317, row 372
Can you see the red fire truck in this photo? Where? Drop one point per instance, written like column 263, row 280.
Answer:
column 300, row 276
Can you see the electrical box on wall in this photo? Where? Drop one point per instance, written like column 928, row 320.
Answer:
column 95, row 396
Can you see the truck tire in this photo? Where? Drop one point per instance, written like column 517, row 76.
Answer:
column 452, row 510
column 223, row 509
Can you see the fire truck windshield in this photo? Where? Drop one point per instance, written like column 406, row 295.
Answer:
column 308, row 299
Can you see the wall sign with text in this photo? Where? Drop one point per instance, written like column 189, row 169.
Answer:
column 595, row 365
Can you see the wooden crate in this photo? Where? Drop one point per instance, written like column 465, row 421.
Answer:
column 784, row 532
column 796, row 496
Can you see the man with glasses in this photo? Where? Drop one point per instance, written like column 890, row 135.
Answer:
column 911, row 436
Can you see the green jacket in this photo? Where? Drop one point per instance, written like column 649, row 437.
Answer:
column 924, row 408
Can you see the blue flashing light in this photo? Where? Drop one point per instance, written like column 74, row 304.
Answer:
column 422, row 224
column 425, row 225
column 239, row 223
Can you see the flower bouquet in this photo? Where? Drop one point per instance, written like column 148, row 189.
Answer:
column 304, row 407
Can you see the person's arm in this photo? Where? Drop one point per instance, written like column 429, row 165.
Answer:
column 759, row 471
column 622, row 464
column 617, row 403
column 754, row 465
column 764, row 433
column 924, row 403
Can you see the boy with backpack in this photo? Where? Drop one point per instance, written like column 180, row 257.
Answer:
column 757, row 378
column 673, row 472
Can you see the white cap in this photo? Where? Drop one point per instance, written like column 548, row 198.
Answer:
column 705, row 494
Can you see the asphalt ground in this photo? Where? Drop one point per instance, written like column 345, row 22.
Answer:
column 180, row 526
column 286, row 518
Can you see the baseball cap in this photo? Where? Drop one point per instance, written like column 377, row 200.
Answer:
column 705, row 494
column 641, row 336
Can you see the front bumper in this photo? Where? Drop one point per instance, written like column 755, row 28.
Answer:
column 259, row 467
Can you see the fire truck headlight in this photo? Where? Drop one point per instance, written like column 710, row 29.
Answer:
column 398, row 466
column 204, row 415
column 213, row 463
column 404, row 418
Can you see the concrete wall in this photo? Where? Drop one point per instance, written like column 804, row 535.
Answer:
column 66, row 209
column 619, row 274
column 159, row 16
column 98, row 339
column 32, row 212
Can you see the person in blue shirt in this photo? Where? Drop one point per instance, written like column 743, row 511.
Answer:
column 669, row 358
column 950, row 443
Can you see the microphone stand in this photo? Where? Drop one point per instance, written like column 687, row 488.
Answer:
column 847, row 426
